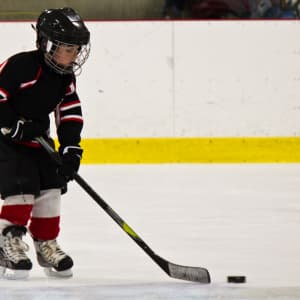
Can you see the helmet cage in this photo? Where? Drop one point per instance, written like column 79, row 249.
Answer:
column 51, row 49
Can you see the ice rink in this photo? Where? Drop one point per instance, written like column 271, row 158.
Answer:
column 234, row 219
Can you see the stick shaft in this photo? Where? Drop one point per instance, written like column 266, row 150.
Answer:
column 176, row 271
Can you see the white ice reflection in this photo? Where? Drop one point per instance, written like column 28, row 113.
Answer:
column 241, row 219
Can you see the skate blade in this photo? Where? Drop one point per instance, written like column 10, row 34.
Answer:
column 58, row 274
column 13, row 274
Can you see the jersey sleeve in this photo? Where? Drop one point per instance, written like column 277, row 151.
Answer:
column 10, row 80
column 69, row 120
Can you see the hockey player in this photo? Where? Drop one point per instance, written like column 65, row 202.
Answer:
column 33, row 85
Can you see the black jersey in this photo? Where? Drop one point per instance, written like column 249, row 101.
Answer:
column 31, row 90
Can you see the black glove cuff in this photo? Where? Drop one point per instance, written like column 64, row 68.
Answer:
column 71, row 150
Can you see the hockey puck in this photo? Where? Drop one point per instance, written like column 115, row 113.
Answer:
column 236, row 279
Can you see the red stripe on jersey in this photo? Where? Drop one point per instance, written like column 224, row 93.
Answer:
column 44, row 228
column 73, row 118
column 70, row 89
column 18, row 214
column 32, row 144
column 32, row 82
column 71, row 103
column 3, row 65
column 4, row 93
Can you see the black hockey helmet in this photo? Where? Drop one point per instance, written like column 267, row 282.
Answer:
column 62, row 27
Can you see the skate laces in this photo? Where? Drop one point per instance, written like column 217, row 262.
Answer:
column 15, row 248
column 51, row 252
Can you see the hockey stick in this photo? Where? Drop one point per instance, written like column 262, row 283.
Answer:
column 197, row 274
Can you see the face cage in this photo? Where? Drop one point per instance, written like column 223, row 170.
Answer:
column 75, row 67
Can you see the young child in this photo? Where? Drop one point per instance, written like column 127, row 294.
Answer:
column 33, row 85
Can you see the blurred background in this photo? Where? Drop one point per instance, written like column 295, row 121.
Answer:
column 155, row 9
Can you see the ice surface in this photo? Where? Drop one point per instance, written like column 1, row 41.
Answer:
column 234, row 219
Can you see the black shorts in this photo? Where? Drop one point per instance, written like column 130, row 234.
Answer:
column 25, row 170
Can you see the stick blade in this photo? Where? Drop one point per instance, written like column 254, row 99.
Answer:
column 196, row 274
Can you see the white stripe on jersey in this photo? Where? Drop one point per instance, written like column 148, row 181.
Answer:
column 4, row 95
column 70, row 117
column 70, row 89
column 26, row 84
column 3, row 65
column 66, row 107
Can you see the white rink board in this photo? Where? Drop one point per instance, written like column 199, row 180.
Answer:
column 181, row 79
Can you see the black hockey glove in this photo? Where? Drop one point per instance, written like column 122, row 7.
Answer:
column 71, row 158
column 23, row 131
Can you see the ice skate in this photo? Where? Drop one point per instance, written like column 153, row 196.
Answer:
column 14, row 263
column 56, row 263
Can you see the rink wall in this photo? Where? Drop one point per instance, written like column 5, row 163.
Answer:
column 186, row 91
